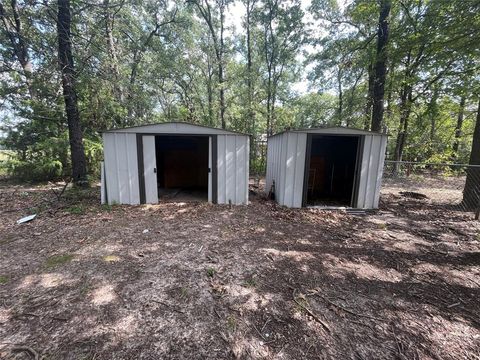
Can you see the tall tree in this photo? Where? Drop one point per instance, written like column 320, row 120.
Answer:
column 458, row 128
column 380, row 66
column 216, row 28
column 369, row 102
column 283, row 35
column 471, row 192
column 65, row 59
column 250, row 7
column 14, row 28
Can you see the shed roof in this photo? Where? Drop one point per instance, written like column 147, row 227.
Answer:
column 174, row 128
column 342, row 130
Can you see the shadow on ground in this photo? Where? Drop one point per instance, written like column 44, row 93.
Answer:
column 196, row 281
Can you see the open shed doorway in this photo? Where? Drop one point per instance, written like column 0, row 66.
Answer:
column 182, row 167
column 331, row 170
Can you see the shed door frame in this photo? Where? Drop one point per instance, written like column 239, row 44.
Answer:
column 358, row 171
column 358, row 165
column 150, row 169
column 212, row 163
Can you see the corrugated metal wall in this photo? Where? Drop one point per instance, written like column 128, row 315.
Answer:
column 274, row 148
column 232, row 169
column 286, row 166
column 121, row 168
column 371, row 173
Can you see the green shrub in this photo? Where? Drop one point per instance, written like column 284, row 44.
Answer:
column 39, row 170
column 257, row 167
column 56, row 260
column 76, row 210
column 210, row 272
column 94, row 155
column 50, row 160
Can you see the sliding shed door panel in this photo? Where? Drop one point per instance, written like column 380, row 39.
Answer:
column 150, row 170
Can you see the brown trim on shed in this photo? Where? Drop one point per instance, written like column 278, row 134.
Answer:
column 358, row 170
column 214, row 169
column 358, row 165
column 141, row 169
column 308, row 153
column 141, row 175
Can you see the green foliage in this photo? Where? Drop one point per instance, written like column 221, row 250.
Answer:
column 231, row 323
column 3, row 279
column 314, row 110
column 5, row 157
column 34, row 169
column 150, row 61
column 251, row 282
column 210, row 272
column 56, row 260
column 76, row 210
column 257, row 166
column 94, row 155
column 107, row 207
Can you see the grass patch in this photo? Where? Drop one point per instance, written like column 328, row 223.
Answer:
column 111, row 258
column 301, row 303
column 251, row 282
column 56, row 260
column 183, row 293
column 107, row 207
column 3, row 279
column 7, row 238
column 231, row 323
column 211, row 272
column 76, row 210
column 84, row 288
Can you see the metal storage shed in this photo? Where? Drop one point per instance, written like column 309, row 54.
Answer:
column 334, row 166
column 144, row 162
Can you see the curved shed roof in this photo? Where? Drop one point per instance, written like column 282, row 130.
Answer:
column 174, row 128
column 341, row 130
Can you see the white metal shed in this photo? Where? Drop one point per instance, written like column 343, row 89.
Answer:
column 332, row 166
column 144, row 162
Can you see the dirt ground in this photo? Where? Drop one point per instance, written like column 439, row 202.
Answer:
column 200, row 281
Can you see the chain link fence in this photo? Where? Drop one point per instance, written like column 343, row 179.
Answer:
column 454, row 185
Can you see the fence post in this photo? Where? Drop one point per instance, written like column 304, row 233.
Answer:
column 477, row 212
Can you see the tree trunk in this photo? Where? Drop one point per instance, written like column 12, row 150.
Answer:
column 471, row 192
column 210, row 101
column 380, row 66
column 222, row 96
column 113, row 63
column 405, row 109
column 390, row 91
column 369, row 104
column 433, row 113
column 220, row 67
column 219, row 46
column 15, row 34
column 458, row 129
column 269, row 107
column 251, row 113
column 65, row 58
column 340, row 98
column 112, row 51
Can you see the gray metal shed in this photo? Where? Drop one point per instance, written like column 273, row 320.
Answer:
column 334, row 166
column 144, row 162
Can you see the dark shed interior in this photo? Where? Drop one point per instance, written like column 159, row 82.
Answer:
column 331, row 170
column 182, row 166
